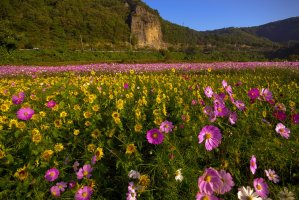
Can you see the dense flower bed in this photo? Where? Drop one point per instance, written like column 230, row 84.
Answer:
column 192, row 131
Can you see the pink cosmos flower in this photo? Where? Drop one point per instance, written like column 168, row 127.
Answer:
column 253, row 165
column 295, row 118
column 282, row 130
column 266, row 94
column 131, row 195
column 52, row 174
column 240, row 105
column 209, row 181
column 280, row 107
column 203, row 196
column 272, row 176
column 51, row 104
column 261, row 187
column 280, row 115
column 18, row 99
column 211, row 135
column 166, row 127
column 208, row 92
column 85, row 171
column 226, row 182
column 61, row 185
column 72, row 184
column 84, row 193
column 126, row 85
column 55, row 191
column 254, row 93
column 154, row 136
column 224, row 83
column 25, row 113
column 233, row 117
column 221, row 110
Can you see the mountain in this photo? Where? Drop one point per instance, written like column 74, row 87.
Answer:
column 282, row 31
column 123, row 25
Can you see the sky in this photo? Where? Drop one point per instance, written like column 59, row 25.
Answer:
column 215, row 14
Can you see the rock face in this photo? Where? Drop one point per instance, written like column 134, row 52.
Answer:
column 145, row 28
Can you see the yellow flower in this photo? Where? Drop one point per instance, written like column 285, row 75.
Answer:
column 47, row 155
column 58, row 147
column 111, row 96
column 21, row 173
column 13, row 122
column 132, row 71
column 42, row 113
column 131, row 148
column 209, row 69
column 76, row 132
column 99, row 153
column 173, row 70
column 95, row 108
column 57, row 123
column 21, row 125
column 36, row 138
column 91, row 147
column 87, row 123
column 77, row 107
column 292, row 104
column 115, row 115
column 138, row 128
column 2, row 154
column 35, row 131
column 144, row 181
column 264, row 113
column 63, row 114
column 117, row 120
column 120, row 104
column 4, row 107
column 158, row 121
column 95, row 133
column 87, row 114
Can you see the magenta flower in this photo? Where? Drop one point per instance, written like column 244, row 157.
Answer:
column 55, row 191
column 203, row 196
column 25, row 113
column 72, row 184
column 93, row 160
column 131, row 194
column 154, row 136
column 84, row 193
column 233, row 117
column 280, row 115
column 272, row 176
column 266, row 94
column 52, row 174
column 282, row 130
column 221, row 110
column 211, row 135
column 226, row 182
column 85, row 171
column 295, row 118
column 208, row 92
column 261, row 187
column 126, row 85
column 240, row 105
column 224, row 84
column 51, row 104
column 18, row 99
column 61, row 185
column 209, row 181
column 253, row 165
column 166, row 127
column 254, row 93
column 229, row 90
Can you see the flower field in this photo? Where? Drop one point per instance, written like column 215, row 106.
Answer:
column 150, row 131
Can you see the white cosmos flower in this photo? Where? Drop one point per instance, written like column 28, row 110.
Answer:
column 247, row 193
column 178, row 175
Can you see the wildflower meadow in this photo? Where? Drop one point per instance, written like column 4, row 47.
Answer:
column 150, row 131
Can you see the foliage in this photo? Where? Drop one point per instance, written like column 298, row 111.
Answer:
column 115, row 111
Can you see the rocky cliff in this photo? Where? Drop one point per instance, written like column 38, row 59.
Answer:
column 145, row 26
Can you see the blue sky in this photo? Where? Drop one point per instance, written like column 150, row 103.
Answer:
column 214, row 14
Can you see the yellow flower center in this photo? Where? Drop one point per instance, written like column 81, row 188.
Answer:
column 84, row 194
column 208, row 136
column 155, row 135
column 208, row 179
column 259, row 187
column 25, row 114
column 205, row 198
column 85, row 173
